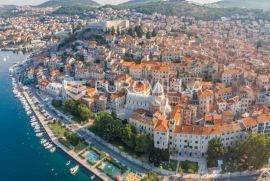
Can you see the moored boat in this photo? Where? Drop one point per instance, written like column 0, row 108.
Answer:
column 74, row 170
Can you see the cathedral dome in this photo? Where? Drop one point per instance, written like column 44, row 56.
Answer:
column 141, row 87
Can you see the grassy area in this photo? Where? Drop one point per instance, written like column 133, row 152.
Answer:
column 58, row 130
column 61, row 109
column 82, row 145
column 65, row 143
column 189, row 166
column 171, row 165
column 123, row 148
column 76, row 118
column 79, row 120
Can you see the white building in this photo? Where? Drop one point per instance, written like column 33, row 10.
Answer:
column 54, row 89
column 102, row 27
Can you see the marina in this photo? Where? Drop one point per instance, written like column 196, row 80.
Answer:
column 39, row 124
column 19, row 135
column 36, row 126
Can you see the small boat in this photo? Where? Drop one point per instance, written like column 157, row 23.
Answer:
column 39, row 134
column 68, row 163
column 92, row 177
column 43, row 141
column 52, row 149
column 49, row 146
column 46, row 144
column 37, row 127
column 74, row 170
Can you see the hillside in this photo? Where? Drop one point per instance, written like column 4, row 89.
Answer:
column 69, row 3
column 74, row 10
column 6, row 8
column 135, row 3
column 180, row 8
column 248, row 4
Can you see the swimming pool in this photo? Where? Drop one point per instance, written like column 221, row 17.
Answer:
column 92, row 156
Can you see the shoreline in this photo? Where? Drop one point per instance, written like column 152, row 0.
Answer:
column 71, row 153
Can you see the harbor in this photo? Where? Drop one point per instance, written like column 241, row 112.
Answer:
column 21, row 148
column 39, row 123
column 54, row 140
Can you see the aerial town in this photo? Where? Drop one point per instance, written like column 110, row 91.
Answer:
column 177, row 82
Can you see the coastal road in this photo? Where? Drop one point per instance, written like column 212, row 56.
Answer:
column 87, row 137
column 84, row 134
column 241, row 178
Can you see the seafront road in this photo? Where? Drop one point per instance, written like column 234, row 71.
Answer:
column 83, row 133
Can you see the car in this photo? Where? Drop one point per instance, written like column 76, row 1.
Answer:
column 266, row 174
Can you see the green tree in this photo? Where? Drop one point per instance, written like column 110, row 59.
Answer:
column 107, row 127
column 256, row 150
column 131, row 32
column 154, row 33
column 71, row 106
column 113, row 114
column 118, row 31
column 214, row 152
column 143, row 143
column 56, row 103
column 113, row 31
column 84, row 112
column 72, row 138
column 139, row 31
column 156, row 156
column 259, row 44
column 148, row 35
column 128, row 135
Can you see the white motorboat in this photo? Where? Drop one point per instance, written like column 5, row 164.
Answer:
column 43, row 141
column 74, row 170
column 52, row 149
column 92, row 177
column 37, row 130
column 39, row 134
column 49, row 146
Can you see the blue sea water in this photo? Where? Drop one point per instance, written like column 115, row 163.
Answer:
column 22, row 157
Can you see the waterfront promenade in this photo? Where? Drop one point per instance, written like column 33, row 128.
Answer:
column 75, row 156
column 71, row 153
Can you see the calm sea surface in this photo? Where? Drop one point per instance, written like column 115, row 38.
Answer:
column 22, row 157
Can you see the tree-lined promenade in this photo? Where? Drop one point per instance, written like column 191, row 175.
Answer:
column 121, row 133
